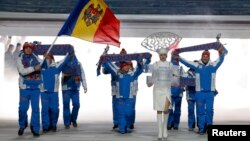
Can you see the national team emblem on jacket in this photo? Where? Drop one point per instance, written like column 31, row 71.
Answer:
column 92, row 14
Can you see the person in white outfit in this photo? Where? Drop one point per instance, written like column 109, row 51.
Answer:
column 162, row 73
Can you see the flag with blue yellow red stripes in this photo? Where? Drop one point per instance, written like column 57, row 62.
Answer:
column 93, row 20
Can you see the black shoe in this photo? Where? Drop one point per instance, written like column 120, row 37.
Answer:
column 54, row 128
column 20, row 132
column 115, row 126
column 131, row 126
column 36, row 134
column 50, row 127
column 67, row 127
column 201, row 133
column 176, row 128
column 169, row 127
column 74, row 124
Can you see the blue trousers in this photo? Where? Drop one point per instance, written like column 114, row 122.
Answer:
column 125, row 113
column 191, row 113
column 205, row 109
column 50, row 109
column 133, row 101
column 175, row 113
column 114, row 108
column 27, row 96
column 69, row 116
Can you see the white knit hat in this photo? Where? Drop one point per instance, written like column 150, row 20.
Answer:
column 162, row 51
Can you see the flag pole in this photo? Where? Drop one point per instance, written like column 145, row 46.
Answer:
column 51, row 46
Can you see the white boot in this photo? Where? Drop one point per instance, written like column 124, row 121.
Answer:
column 165, row 131
column 159, row 120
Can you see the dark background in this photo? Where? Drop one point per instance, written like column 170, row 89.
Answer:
column 159, row 7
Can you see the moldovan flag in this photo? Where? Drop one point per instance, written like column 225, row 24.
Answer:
column 92, row 20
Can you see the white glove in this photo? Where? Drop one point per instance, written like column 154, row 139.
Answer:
column 85, row 90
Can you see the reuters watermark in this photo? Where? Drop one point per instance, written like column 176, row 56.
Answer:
column 239, row 132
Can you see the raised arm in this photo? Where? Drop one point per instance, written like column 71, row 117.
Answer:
column 110, row 68
column 220, row 60
column 61, row 64
column 187, row 63
column 115, row 65
column 139, row 70
column 146, row 65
